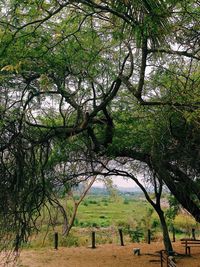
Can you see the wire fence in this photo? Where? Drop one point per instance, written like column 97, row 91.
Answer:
column 95, row 236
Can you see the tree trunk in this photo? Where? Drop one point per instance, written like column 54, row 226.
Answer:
column 71, row 221
column 166, row 238
column 177, row 189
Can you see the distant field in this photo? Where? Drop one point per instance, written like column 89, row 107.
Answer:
column 102, row 211
column 105, row 215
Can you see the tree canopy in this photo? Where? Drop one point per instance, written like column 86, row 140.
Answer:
column 96, row 79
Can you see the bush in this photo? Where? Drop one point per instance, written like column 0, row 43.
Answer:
column 85, row 203
column 92, row 201
column 76, row 222
column 155, row 223
column 105, row 200
column 69, row 241
column 124, row 225
column 126, row 201
column 105, row 224
column 64, row 241
column 102, row 217
column 136, row 234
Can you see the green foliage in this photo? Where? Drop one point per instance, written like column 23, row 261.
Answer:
column 126, row 201
column 147, row 219
column 70, row 241
column 72, row 85
column 131, row 224
column 155, row 223
column 136, row 235
column 111, row 210
column 173, row 210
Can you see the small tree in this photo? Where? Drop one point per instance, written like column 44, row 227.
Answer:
column 125, row 169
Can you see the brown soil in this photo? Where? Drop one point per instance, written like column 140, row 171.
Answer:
column 106, row 256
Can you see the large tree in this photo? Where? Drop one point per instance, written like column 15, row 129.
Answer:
column 122, row 75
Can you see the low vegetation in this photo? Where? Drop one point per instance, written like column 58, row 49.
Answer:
column 105, row 215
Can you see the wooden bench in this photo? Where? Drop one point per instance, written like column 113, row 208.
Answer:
column 166, row 260
column 188, row 243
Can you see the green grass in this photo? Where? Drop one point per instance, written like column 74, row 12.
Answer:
column 111, row 211
column 131, row 213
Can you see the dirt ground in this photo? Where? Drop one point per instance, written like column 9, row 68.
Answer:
column 106, row 256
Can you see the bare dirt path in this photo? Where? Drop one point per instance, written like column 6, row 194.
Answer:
column 105, row 256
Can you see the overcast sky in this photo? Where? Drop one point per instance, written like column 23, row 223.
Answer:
column 119, row 182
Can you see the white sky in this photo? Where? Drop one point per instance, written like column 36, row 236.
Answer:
column 119, row 182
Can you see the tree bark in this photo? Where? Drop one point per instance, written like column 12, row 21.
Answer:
column 166, row 238
column 181, row 192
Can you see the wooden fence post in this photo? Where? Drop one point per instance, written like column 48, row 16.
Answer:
column 121, row 237
column 174, row 234
column 93, row 240
column 56, row 240
column 149, row 236
column 193, row 233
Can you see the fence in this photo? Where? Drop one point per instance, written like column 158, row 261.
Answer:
column 101, row 233
column 166, row 260
column 134, row 236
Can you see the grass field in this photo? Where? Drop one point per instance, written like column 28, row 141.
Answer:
column 105, row 215
column 102, row 211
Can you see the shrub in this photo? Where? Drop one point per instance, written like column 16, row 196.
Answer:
column 92, row 201
column 124, row 225
column 136, row 234
column 155, row 223
column 69, row 241
column 85, row 203
column 126, row 201
column 64, row 241
column 76, row 222
column 105, row 224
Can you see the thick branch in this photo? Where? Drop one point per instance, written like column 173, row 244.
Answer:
column 173, row 52
column 142, row 69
